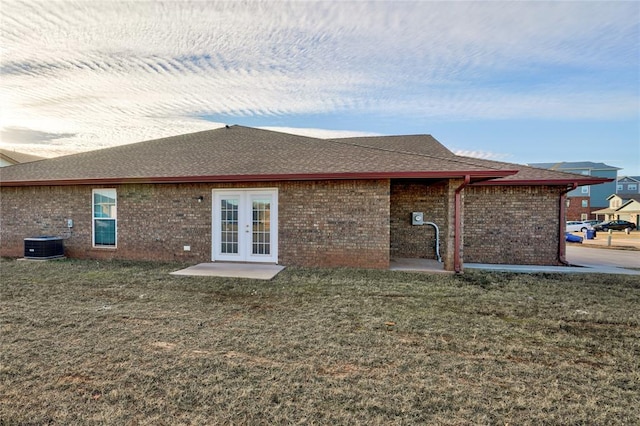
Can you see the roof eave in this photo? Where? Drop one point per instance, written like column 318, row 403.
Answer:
column 475, row 176
column 550, row 182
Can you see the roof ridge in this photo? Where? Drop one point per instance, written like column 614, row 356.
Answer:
column 455, row 157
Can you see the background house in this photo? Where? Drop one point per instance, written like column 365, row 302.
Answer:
column 583, row 200
column 8, row 158
column 624, row 207
column 244, row 194
column 610, row 212
column 630, row 210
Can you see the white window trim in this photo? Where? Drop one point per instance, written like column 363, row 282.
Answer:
column 93, row 220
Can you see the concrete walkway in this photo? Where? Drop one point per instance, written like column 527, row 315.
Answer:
column 594, row 257
column 589, row 259
column 577, row 269
column 584, row 259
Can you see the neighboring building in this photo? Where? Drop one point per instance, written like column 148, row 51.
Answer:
column 630, row 210
column 9, row 158
column 584, row 199
column 244, row 194
column 621, row 207
column 578, row 208
column 628, row 185
column 610, row 212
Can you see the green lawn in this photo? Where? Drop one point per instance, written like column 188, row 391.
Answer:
column 128, row 344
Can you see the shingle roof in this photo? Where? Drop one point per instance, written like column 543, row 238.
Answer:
column 415, row 144
column 574, row 165
column 238, row 153
column 427, row 145
column 537, row 176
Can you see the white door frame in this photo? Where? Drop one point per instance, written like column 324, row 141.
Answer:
column 244, row 234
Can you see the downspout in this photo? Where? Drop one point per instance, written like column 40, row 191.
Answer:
column 562, row 244
column 457, row 242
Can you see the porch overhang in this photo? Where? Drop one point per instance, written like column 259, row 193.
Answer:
column 547, row 182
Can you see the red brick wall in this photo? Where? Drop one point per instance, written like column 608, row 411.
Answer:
column 154, row 221
column 340, row 223
column 334, row 223
column 337, row 223
column 511, row 224
column 575, row 209
column 409, row 240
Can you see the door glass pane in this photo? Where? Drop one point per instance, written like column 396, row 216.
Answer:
column 261, row 226
column 229, row 226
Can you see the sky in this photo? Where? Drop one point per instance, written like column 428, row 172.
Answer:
column 515, row 81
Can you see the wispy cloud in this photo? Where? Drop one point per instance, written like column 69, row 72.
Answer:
column 31, row 136
column 113, row 72
column 485, row 155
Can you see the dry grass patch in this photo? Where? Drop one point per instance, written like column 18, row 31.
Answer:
column 127, row 343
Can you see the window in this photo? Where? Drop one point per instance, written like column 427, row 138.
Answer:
column 632, row 187
column 619, row 188
column 583, row 217
column 104, row 217
column 585, row 189
column 585, row 203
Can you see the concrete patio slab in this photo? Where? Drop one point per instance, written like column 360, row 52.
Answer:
column 416, row 265
column 256, row 271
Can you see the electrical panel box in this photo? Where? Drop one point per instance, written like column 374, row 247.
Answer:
column 417, row 218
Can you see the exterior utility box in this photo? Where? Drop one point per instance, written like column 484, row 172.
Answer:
column 43, row 247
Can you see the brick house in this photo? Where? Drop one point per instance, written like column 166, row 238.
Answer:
column 251, row 195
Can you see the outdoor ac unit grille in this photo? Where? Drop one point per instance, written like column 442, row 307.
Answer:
column 43, row 247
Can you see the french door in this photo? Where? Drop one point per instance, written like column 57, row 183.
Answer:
column 245, row 225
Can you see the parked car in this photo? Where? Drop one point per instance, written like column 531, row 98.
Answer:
column 616, row 225
column 572, row 238
column 593, row 222
column 578, row 226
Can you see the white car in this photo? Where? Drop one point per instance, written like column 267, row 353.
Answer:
column 578, row 226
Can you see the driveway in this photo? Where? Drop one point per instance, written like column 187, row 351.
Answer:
column 596, row 256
